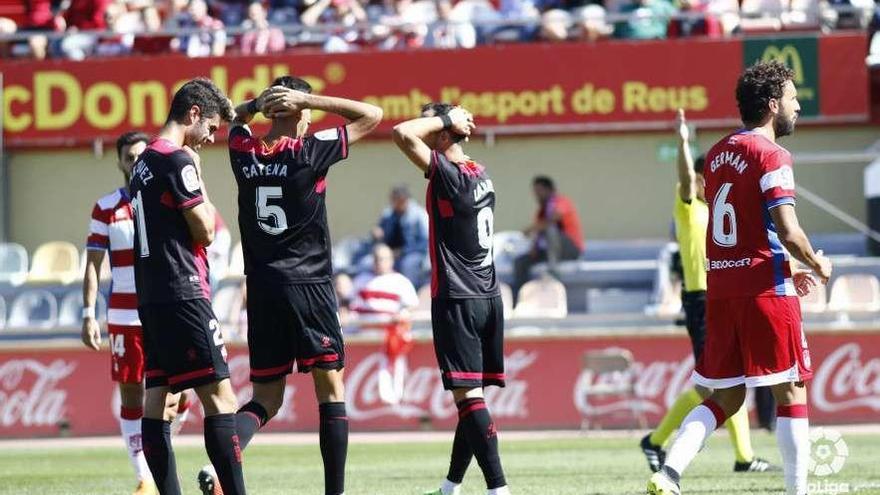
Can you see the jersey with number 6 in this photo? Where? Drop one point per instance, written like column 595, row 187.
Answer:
column 461, row 209
column 747, row 175
column 281, row 211
column 169, row 265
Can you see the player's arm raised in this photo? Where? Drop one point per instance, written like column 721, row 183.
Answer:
column 796, row 242
column 686, row 175
column 410, row 136
column 246, row 111
column 362, row 117
column 91, row 332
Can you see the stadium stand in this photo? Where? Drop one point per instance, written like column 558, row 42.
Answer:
column 236, row 263
column 71, row 305
column 855, row 292
column 55, row 262
column 423, row 310
column 816, row 302
column 544, row 297
column 2, row 313
column 33, row 309
column 506, row 298
column 224, row 303
column 13, row 264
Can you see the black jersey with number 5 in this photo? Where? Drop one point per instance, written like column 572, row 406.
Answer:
column 461, row 208
column 169, row 265
column 281, row 211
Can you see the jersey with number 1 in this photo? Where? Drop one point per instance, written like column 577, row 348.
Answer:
column 747, row 175
column 461, row 209
column 281, row 210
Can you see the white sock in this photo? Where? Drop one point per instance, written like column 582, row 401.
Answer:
column 793, row 437
column 450, row 488
column 692, row 435
column 131, row 434
column 501, row 490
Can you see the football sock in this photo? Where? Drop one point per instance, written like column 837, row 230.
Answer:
column 501, row 490
column 674, row 416
column 130, row 425
column 450, row 488
column 156, row 436
column 461, row 456
column 333, row 434
column 221, row 442
column 482, row 437
column 793, row 437
column 249, row 418
column 692, row 435
column 738, row 427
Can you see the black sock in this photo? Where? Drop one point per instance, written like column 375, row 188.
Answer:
column 461, row 456
column 249, row 418
column 221, row 442
column 480, row 432
column 334, row 445
column 156, row 441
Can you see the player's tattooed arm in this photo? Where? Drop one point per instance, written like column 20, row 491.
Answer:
column 686, row 175
column 410, row 136
column 796, row 242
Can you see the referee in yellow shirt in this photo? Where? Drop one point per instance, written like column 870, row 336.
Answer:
column 691, row 221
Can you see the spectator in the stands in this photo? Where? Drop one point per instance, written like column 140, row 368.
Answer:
column 555, row 25
column 345, row 13
column 453, row 27
column 231, row 12
column 260, row 38
column 82, row 16
column 125, row 19
column 209, row 40
column 344, row 289
column 647, row 19
column 284, row 11
column 590, row 23
column 404, row 228
column 695, row 20
column 555, row 231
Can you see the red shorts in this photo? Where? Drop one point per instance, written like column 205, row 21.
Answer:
column 126, row 353
column 756, row 341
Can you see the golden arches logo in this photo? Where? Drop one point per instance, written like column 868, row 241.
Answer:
column 789, row 56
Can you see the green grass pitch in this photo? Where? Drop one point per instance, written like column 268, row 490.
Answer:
column 574, row 466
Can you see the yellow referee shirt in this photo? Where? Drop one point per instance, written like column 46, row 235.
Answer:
column 691, row 222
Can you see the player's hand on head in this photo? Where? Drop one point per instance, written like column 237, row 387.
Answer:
column 681, row 126
column 280, row 99
column 91, row 333
column 804, row 282
column 462, row 121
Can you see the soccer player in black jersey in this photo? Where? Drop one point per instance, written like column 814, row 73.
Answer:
column 466, row 310
column 174, row 221
column 291, row 304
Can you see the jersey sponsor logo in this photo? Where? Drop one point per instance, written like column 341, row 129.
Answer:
column 327, row 135
column 783, row 177
column 190, row 178
column 482, row 189
column 731, row 158
column 726, row 264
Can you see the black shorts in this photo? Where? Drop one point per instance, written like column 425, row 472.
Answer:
column 183, row 345
column 290, row 324
column 694, row 304
column 469, row 341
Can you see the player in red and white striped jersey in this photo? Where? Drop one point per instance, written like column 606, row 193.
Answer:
column 383, row 299
column 112, row 231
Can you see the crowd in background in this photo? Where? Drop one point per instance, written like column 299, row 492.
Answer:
column 33, row 28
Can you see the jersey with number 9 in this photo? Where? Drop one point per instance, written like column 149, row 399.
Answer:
column 747, row 175
column 461, row 209
column 281, row 211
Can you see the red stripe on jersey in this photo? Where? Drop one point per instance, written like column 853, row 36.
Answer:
column 123, row 301
column 167, row 200
column 445, row 208
column 100, row 214
column 326, row 358
column 284, row 368
column 244, row 144
column 123, row 257
column 376, row 294
column 200, row 258
column 173, row 380
column 98, row 240
column 163, row 146
column 321, row 185
column 192, row 202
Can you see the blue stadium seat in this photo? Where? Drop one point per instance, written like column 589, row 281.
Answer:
column 33, row 309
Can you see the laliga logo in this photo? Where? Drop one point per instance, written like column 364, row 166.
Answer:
column 828, row 452
column 787, row 55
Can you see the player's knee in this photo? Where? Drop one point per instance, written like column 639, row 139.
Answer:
column 788, row 394
column 131, row 395
column 329, row 386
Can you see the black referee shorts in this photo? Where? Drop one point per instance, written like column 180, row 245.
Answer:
column 694, row 304
column 183, row 345
column 469, row 341
column 290, row 324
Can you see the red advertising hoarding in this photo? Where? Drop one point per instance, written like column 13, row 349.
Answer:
column 529, row 88
column 45, row 390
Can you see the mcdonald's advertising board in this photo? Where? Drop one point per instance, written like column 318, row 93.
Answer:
column 528, row 88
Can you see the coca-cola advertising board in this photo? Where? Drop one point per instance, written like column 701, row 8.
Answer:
column 51, row 391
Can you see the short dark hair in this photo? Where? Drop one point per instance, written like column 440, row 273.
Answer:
column 401, row 190
column 128, row 139
column 294, row 83
column 700, row 164
column 204, row 94
column 438, row 108
column 544, row 181
column 757, row 86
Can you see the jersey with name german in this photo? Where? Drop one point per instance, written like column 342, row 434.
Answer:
column 281, row 203
column 169, row 265
column 747, row 175
column 461, row 205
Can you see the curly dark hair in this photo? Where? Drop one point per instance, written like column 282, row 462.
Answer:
column 294, row 83
column 757, row 86
column 204, row 94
